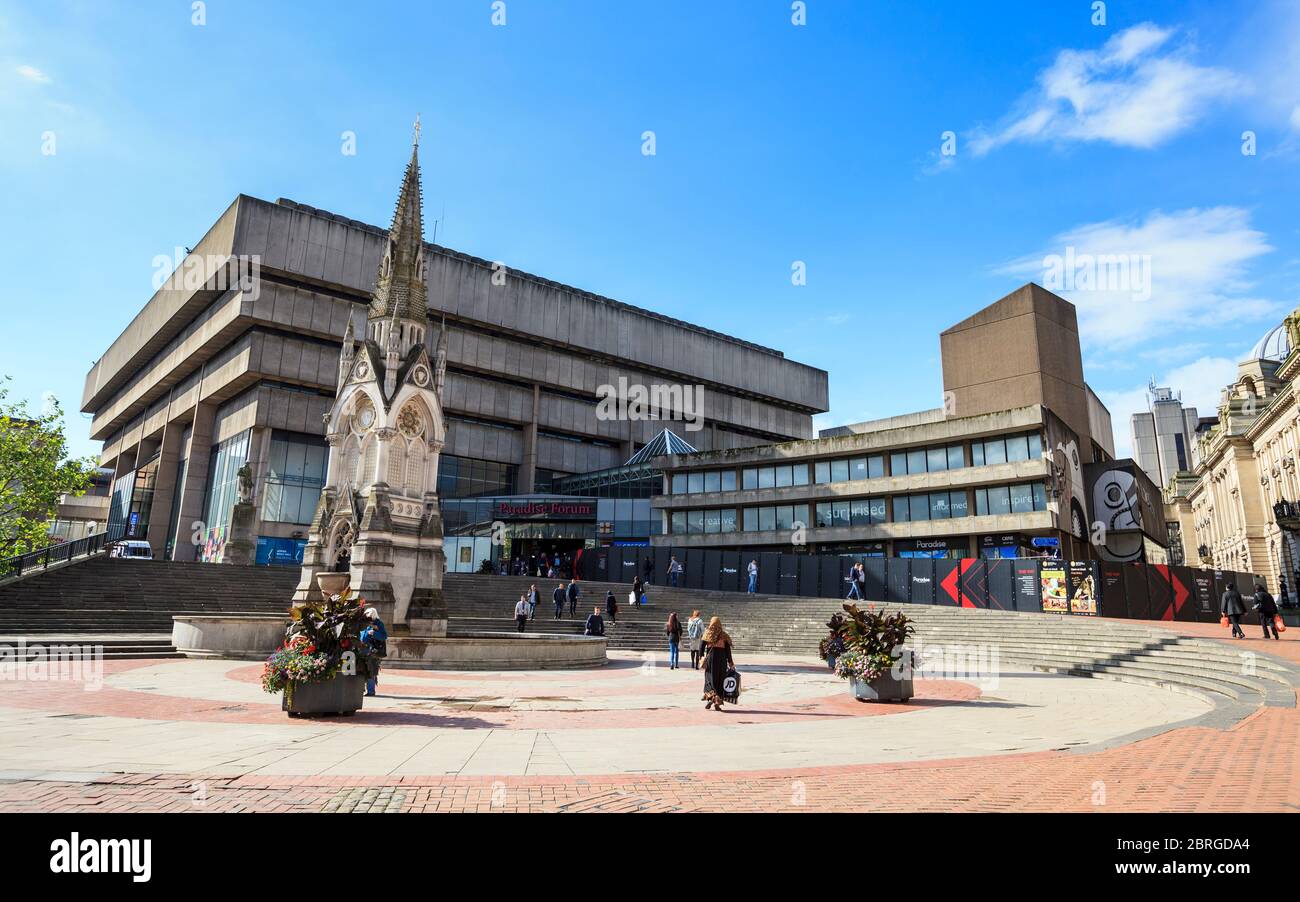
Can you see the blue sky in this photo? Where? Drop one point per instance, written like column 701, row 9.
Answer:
column 775, row 143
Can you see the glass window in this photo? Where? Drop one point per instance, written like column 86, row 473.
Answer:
column 822, row 469
column 749, row 478
column 861, row 512
column 1040, row 497
column 785, row 517
column 766, row 477
column 713, row 521
column 784, row 476
column 939, row 506
column 728, row 480
column 1022, row 498
column 956, row 459
column 712, row 481
column 875, row 466
column 695, row 483
column 694, row 522
column 751, row 519
column 1035, row 445
column 766, row 519
column 977, row 454
column 839, row 471
column 841, row 514
column 920, row 507
column 824, row 514
column 858, row 468
column 898, row 464
column 916, row 461
column 1018, row 448
column 800, row 474
column 936, row 460
column 728, row 519
column 959, row 504
column 995, row 452
column 801, row 514
column 878, row 514
column 901, row 512
column 999, row 500
column 679, row 522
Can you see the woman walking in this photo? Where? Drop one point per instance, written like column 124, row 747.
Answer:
column 717, row 661
column 611, row 606
column 674, row 631
column 695, row 637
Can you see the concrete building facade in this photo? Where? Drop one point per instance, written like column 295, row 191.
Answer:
column 1164, row 437
column 217, row 370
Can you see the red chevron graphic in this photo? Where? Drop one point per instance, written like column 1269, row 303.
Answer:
column 1163, row 570
column 966, row 563
column 1181, row 593
column 949, row 583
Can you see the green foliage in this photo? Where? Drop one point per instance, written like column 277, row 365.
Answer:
column 868, row 640
column 323, row 637
column 34, row 471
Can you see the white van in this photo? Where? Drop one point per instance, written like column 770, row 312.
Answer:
column 141, row 551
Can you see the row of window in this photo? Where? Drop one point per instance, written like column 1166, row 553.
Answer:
column 1006, row 499
column 901, row 463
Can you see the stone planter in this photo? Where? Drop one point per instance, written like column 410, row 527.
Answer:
column 331, row 583
column 341, row 695
column 887, row 687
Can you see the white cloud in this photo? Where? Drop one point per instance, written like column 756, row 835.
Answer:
column 1201, row 382
column 32, row 74
column 1138, row 90
column 1185, row 269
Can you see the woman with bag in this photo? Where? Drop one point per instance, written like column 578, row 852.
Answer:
column 674, row 631
column 695, row 637
column 1266, row 608
column 718, row 666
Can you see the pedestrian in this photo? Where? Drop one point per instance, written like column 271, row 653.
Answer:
column 595, row 624
column 558, row 596
column 375, row 638
column 611, row 606
column 753, row 577
column 1266, row 608
column 674, row 571
column 521, row 612
column 533, row 598
column 695, row 638
column 717, row 661
column 855, row 591
column 648, row 569
column 1232, row 608
column 674, row 632
column 638, row 589
column 572, row 594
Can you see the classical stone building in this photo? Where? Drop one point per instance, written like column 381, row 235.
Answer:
column 1234, row 510
column 215, row 372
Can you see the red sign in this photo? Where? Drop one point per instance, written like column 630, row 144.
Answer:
column 545, row 510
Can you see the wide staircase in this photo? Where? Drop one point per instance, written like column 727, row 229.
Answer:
column 126, row 606
column 1126, row 651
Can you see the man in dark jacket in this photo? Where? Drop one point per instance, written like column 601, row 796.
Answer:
column 573, row 597
column 558, row 596
column 1266, row 608
column 595, row 624
column 1233, row 608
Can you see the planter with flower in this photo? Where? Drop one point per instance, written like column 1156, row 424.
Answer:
column 321, row 667
column 832, row 646
column 874, row 659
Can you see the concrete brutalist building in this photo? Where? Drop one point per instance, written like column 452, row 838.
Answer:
column 212, row 374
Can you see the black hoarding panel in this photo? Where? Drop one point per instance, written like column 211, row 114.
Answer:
column 947, row 577
column 646, row 556
column 729, row 571
column 787, row 574
column 810, row 575
column 1029, row 590
column 1136, row 591
column 831, row 584
column 617, row 572
column 875, row 569
column 768, row 572
column 974, row 584
column 1246, row 586
column 694, row 565
column 898, row 580
column 1205, row 602
column 1111, row 602
column 1162, row 592
column 1001, row 581
column 1183, row 581
column 922, row 581
column 598, row 565
column 712, row 568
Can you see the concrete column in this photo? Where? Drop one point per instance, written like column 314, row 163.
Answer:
column 528, row 470
column 196, row 483
column 165, row 488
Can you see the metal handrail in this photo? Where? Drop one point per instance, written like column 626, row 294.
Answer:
column 41, row 559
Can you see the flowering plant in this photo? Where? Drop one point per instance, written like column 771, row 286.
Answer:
column 322, row 641
column 869, row 642
column 860, row 665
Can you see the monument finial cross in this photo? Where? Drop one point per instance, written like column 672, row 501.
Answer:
column 417, row 130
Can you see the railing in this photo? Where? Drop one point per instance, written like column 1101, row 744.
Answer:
column 64, row 551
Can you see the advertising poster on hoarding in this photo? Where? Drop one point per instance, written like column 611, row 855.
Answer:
column 1055, row 590
column 1083, row 588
